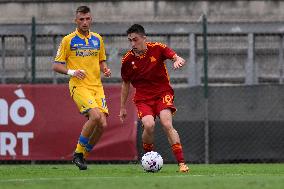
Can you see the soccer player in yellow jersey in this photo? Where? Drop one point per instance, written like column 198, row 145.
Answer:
column 81, row 55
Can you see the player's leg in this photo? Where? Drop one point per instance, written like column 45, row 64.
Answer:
column 97, row 133
column 87, row 131
column 85, row 103
column 173, row 137
column 166, row 121
column 148, row 133
column 145, row 113
column 102, row 111
column 165, row 109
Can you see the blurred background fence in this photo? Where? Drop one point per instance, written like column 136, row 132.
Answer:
column 239, row 53
column 245, row 105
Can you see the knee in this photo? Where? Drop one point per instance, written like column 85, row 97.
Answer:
column 99, row 120
column 168, row 126
column 94, row 117
column 149, row 125
column 167, row 123
column 102, row 125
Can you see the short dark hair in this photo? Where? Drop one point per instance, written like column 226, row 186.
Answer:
column 83, row 9
column 136, row 28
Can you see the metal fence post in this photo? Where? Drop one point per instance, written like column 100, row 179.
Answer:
column 168, row 40
column 54, row 50
column 193, row 78
column 3, row 77
column 33, row 49
column 280, row 60
column 251, row 68
column 205, row 64
column 26, row 58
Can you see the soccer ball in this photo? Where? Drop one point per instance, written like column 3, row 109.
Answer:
column 152, row 162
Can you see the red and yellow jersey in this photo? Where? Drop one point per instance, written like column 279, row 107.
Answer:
column 85, row 53
column 148, row 73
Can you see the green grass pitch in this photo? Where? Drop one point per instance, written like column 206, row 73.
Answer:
column 131, row 176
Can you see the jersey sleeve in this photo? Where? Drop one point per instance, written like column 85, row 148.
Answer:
column 168, row 53
column 102, row 51
column 61, row 55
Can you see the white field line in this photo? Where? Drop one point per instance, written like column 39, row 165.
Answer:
column 94, row 178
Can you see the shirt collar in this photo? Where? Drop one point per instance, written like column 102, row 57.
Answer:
column 81, row 35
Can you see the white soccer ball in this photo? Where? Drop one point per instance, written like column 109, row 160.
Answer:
column 152, row 162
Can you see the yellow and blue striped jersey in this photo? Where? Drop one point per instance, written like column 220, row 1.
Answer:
column 85, row 53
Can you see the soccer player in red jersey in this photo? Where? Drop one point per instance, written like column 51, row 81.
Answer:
column 144, row 67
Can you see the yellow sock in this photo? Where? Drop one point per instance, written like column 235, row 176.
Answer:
column 80, row 149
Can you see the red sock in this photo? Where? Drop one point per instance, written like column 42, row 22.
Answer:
column 177, row 150
column 148, row 147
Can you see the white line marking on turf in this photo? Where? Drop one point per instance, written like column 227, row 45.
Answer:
column 99, row 177
column 80, row 178
column 106, row 177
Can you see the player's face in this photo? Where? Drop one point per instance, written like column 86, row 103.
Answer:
column 137, row 41
column 83, row 21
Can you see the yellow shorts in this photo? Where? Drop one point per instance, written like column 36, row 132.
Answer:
column 88, row 98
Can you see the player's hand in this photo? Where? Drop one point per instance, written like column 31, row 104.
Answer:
column 80, row 74
column 122, row 114
column 179, row 62
column 107, row 72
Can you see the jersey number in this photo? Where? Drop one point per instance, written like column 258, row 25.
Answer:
column 104, row 103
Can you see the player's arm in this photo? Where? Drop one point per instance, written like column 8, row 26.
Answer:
column 178, row 61
column 123, row 99
column 59, row 64
column 104, row 68
column 102, row 57
column 61, row 68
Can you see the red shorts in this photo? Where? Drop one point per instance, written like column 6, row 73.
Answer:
column 156, row 105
